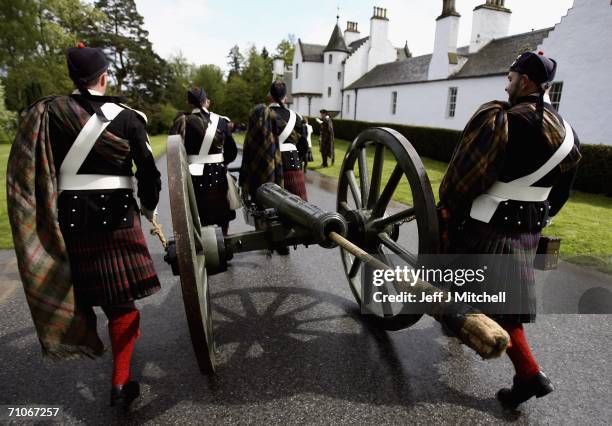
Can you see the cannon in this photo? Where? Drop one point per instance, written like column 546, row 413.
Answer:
column 370, row 230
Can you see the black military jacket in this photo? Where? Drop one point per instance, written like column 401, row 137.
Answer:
column 100, row 210
column 526, row 151
column 223, row 142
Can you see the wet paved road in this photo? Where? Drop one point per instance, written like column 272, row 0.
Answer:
column 293, row 349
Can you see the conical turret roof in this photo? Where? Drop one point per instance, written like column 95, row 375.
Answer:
column 336, row 41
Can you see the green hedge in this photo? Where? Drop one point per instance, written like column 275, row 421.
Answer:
column 437, row 144
column 594, row 172
column 595, row 169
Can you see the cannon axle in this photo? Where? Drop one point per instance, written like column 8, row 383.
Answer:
column 473, row 328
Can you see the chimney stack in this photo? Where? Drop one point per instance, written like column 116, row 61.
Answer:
column 490, row 20
column 444, row 57
column 351, row 33
column 379, row 13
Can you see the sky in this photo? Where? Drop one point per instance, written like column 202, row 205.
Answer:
column 205, row 30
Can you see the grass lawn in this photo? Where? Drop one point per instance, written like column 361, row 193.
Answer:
column 158, row 143
column 584, row 224
column 6, row 238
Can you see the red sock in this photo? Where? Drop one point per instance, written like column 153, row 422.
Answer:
column 123, row 327
column 525, row 364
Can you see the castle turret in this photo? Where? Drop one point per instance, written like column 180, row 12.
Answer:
column 334, row 55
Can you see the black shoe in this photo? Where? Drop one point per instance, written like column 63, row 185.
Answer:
column 125, row 394
column 538, row 386
column 283, row 251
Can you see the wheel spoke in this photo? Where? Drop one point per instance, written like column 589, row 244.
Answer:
column 344, row 207
column 352, row 181
column 354, row 268
column 379, row 160
column 386, row 307
column 397, row 249
column 381, row 204
column 363, row 176
column 395, row 218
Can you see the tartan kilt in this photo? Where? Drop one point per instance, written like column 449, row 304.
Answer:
column 514, row 275
column 111, row 267
column 294, row 183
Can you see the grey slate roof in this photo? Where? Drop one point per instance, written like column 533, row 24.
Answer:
column 357, row 44
column 494, row 58
column 407, row 71
column 311, row 52
column 336, row 41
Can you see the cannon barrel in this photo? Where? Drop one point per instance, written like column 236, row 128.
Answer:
column 292, row 208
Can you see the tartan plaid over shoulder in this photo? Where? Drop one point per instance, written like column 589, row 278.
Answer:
column 479, row 156
column 64, row 329
column 261, row 156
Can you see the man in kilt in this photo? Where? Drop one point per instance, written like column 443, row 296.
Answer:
column 509, row 175
column 210, row 147
column 75, row 222
column 274, row 143
column 327, row 137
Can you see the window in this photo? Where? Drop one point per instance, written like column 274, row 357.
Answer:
column 452, row 101
column 297, row 71
column 393, row 102
column 329, row 92
column 555, row 94
column 339, row 75
column 330, row 58
column 348, row 103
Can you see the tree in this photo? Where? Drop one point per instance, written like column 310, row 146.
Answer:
column 210, row 77
column 138, row 71
column 286, row 49
column 34, row 35
column 7, row 119
column 257, row 73
column 180, row 78
column 236, row 104
column 236, row 60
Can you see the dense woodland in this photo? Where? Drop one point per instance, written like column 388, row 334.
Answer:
column 34, row 36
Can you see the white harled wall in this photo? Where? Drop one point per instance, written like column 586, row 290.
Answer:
column 381, row 50
column 356, row 64
column 582, row 46
column 425, row 104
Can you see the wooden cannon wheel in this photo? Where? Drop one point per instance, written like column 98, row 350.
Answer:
column 375, row 223
column 190, row 252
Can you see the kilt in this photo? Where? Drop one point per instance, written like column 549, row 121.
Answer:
column 294, row 183
column 512, row 272
column 111, row 267
column 211, row 196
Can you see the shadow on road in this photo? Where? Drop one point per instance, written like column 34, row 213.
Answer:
column 272, row 343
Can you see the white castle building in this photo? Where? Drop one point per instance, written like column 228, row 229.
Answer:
column 368, row 79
